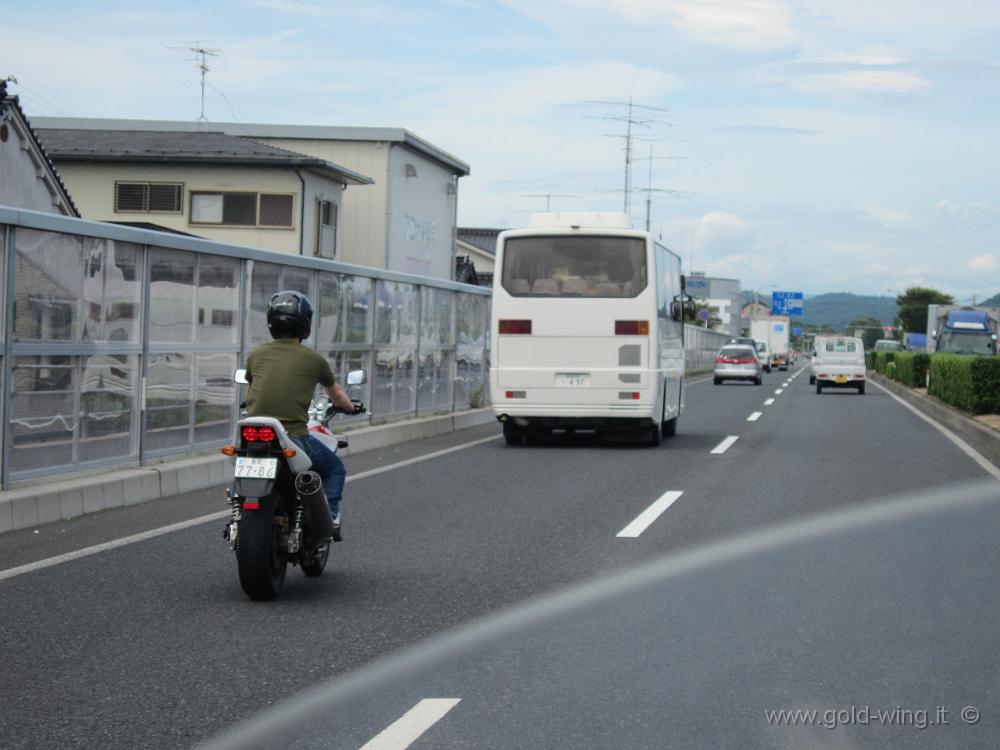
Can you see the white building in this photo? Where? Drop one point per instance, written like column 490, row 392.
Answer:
column 722, row 297
column 404, row 222
column 28, row 178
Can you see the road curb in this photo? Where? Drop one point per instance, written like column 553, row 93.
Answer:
column 984, row 439
column 69, row 497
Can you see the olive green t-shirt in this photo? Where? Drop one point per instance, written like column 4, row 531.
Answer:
column 283, row 377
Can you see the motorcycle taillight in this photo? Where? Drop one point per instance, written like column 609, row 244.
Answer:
column 256, row 434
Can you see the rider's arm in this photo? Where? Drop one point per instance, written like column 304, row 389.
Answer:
column 339, row 398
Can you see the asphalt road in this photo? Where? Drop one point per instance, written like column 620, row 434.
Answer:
column 154, row 645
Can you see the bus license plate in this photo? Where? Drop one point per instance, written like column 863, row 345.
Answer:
column 256, row 468
column 572, row 380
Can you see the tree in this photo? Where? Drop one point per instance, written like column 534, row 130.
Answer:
column 871, row 330
column 714, row 321
column 913, row 305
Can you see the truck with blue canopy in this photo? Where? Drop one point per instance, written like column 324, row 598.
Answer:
column 965, row 330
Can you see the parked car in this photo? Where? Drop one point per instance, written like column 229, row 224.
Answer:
column 738, row 362
column 839, row 362
column 888, row 345
column 763, row 354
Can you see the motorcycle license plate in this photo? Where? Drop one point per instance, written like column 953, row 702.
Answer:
column 256, row 468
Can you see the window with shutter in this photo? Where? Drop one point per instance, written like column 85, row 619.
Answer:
column 145, row 197
column 131, row 196
column 165, row 197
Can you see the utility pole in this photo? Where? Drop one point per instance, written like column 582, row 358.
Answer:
column 201, row 58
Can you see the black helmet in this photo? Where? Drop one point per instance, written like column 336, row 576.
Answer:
column 289, row 315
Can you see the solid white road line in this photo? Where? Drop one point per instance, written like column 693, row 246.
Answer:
column 153, row 533
column 644, row 519
column 115, row 544
column 769, row 402
column 407, row 729
column 755, row 416
column 725, row 444
column 418, row 459
column 967, row 449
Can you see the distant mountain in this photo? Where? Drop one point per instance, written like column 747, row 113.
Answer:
column 840, row 308
column 993, row 301
column 837, row 309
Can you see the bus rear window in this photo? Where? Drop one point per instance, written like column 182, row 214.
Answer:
column 574, row 266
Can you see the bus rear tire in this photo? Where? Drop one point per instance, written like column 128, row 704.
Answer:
column 669, row 427
column 512, row 435
column 654, row 436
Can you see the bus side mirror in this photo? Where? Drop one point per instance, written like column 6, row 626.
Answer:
column 240, row 376
column 682, row 308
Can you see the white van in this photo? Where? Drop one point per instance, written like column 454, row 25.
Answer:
column 838, row 362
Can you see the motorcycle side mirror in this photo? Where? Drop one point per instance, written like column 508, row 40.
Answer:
column 357, row 377
column 240, row 376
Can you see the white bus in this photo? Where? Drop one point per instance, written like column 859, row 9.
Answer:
column 588, row 328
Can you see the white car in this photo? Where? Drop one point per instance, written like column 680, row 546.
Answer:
column 838, row 362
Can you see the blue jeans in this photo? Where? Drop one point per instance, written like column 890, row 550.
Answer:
column 330, row 468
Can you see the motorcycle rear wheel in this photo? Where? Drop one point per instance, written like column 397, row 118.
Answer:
column 261, row 556
column 315, row 564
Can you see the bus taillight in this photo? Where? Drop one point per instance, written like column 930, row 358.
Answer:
column 515, row 326
column 631, row 328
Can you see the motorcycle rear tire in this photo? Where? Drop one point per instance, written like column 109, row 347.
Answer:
column 260, row 556
column 315, row 564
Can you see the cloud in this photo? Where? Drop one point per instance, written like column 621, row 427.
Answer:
column 874, row 269
column 966, row 211
column 869, row 79
column 752, row 25
column 875, row 69
column 890, row 216
column 984, row 263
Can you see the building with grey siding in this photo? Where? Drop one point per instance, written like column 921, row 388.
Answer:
column 722, row 297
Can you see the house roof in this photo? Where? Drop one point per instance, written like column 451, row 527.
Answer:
column 260, row 130
column 166, row 147
column 483, row 238
column 55, row 182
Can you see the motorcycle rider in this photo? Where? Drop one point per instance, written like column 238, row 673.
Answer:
column 283, row 374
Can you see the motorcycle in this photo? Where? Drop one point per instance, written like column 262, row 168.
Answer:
column 279, row 512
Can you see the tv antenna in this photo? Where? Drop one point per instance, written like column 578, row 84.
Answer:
column 649, row 189
column 630, row 118
column 201, row 57
column 548, row 197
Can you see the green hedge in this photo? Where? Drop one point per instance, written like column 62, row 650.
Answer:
column 870, row 360
column 970, row 383
column 882, row 360
column 912, row 367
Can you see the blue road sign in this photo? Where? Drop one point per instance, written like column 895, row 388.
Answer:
column 704, row 315
column 786, row 303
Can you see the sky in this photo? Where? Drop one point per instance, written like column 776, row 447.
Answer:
column 803, row 145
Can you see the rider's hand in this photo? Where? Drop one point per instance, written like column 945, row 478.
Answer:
column 359, row 408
